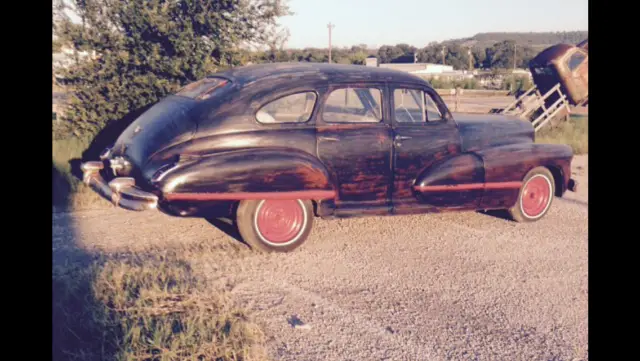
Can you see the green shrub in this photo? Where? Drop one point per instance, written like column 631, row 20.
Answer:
column 138, row 51
column 574, row 132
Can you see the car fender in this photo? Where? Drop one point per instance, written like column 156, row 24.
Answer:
column 508, row 165
column 461, row 169
column 256, row 173
column 512, row 162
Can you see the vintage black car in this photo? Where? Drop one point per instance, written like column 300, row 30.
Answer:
column 276, row 145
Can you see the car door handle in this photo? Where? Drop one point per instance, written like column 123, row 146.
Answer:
column 402, row 137
column 333, row 139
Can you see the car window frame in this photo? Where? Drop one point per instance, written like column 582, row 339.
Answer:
column 571, row 55
column 375, row 85
column 270, row 100
column 446, row 117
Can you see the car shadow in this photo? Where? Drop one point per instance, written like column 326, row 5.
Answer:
column 228, row 226
column 79, row 319
column 504, row 214
column 497, row 213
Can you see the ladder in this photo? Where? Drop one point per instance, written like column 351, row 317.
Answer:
column 531, row 105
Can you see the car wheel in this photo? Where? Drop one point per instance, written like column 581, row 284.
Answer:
column 536, row 196
column 271, row 225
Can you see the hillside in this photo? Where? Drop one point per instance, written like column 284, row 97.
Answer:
column 533, row 39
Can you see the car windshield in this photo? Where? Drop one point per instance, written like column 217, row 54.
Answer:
column 202, row 89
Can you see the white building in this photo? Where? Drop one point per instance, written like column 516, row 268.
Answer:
column 373, row 61
column 420, row 68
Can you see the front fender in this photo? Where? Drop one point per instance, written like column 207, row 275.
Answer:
column 512, row 162
column 249, row 174
column 509, row 164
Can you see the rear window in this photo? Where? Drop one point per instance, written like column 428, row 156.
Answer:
column 202, row 89
column 575, row 60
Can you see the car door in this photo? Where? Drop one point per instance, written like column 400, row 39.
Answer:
column 354, row 142
column 428, row 167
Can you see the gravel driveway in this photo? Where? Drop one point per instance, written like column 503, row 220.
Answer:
column 457, row 286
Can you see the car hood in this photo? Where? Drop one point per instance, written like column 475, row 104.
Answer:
column 478, row 131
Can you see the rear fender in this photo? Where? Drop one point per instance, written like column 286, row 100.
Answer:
column 249, row 174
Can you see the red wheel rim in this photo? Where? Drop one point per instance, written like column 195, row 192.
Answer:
column 536, row 196
column 280, row 221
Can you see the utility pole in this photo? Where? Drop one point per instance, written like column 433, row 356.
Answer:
column 515, row 47
column 470, row 59
column 443, row 63
column 330, row 27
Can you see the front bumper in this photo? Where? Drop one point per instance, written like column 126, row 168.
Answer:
column 120, row 191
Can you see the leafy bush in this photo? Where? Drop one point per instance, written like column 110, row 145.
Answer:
column 138, row 51
column 574, row 132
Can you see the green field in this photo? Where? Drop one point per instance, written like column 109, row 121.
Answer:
column 574, row 132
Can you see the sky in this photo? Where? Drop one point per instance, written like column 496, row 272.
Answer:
column 419, row 22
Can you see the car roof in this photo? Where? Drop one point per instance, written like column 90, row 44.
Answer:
column 552, row 53
column 317, row 72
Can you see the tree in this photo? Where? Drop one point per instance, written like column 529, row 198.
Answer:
column 388, row 53
column 138, row 51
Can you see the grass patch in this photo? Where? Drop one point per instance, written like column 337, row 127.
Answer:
column 68, row 191
column 574, row 132
column 146, row 307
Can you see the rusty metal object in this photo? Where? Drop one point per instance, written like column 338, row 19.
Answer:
column 567, row 65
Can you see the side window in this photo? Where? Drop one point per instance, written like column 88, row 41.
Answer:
column 433, row 113
column 353, row 105
column 409, row 105
column 575, row 60
column 294, row 108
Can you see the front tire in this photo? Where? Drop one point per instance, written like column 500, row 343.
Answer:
column 270, row 225
column 535, row 197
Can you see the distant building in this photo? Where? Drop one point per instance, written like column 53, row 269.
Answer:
column 372, row 61
column 522, row 72
column 420, row 68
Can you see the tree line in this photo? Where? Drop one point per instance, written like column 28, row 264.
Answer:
column 499, row 55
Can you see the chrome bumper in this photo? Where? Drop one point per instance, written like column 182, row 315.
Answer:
column 120, row 191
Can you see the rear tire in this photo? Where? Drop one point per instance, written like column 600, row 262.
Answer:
column 535, row 197
column 270, row 225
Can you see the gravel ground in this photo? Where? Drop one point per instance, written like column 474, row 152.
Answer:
column 456, row 286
